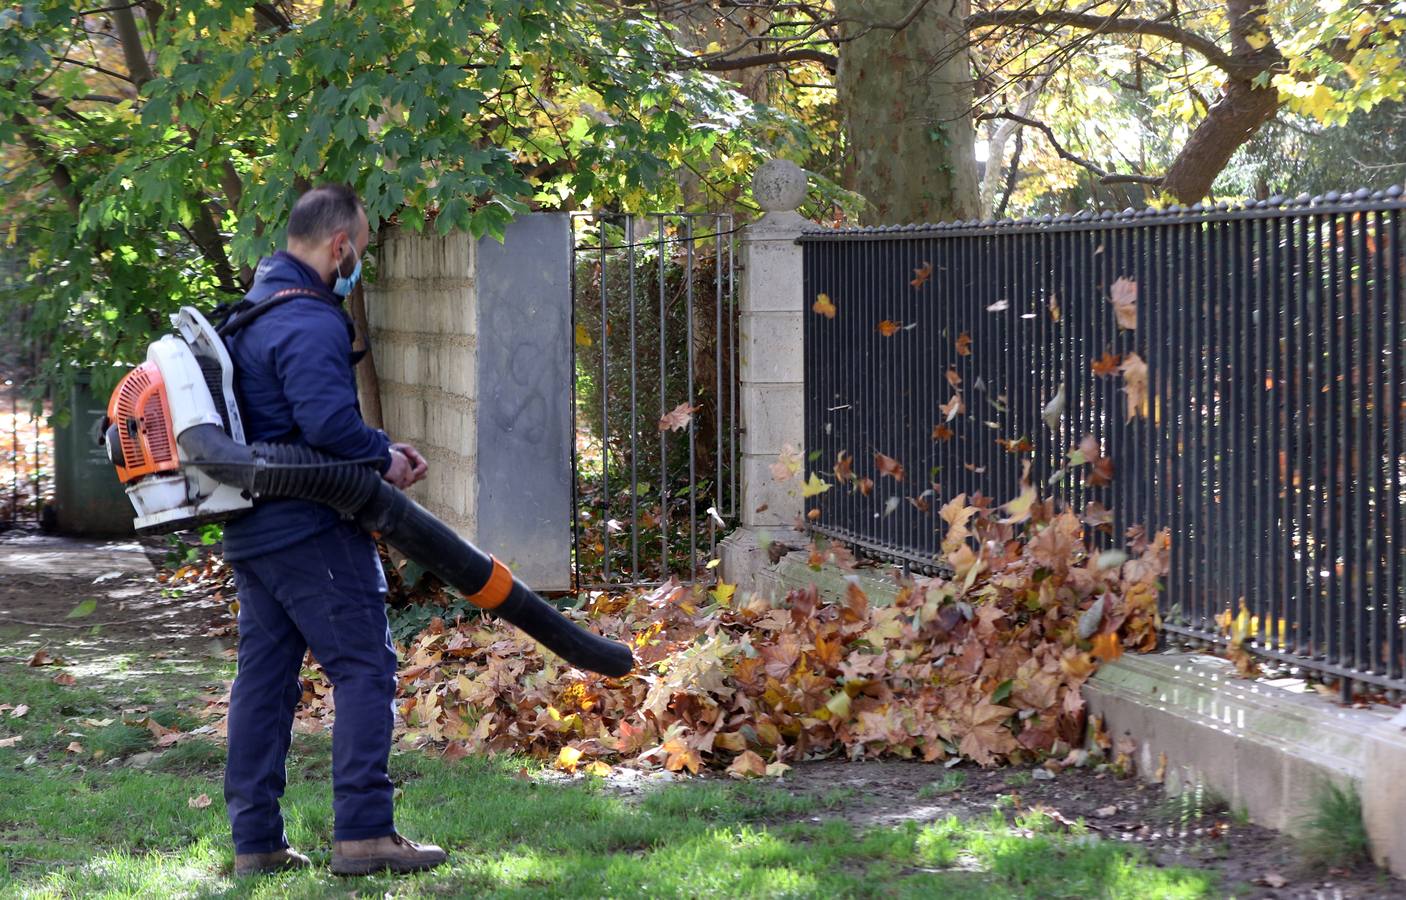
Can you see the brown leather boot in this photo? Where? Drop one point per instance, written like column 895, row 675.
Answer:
column 391, row 852
column 265, row 863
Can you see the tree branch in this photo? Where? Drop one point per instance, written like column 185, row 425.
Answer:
column 58, row 172
column 1120, row 25
column 829, row 60
column 132, row 50
column 1103, row 175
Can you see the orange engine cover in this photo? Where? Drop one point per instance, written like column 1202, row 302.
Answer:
column 138, row 409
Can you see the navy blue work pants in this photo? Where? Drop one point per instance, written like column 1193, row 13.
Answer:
column 326, row 593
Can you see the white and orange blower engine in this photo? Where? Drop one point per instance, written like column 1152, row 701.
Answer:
column 187, row 380
column 175, row 436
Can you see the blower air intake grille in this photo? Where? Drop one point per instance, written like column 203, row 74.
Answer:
column 138, row 409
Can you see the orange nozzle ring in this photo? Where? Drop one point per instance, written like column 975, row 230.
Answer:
column 496, row 590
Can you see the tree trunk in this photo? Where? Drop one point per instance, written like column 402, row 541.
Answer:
column 1234, row 119
column 906, row 98
column 367, row 381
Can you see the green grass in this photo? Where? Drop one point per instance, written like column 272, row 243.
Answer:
column 949, row 782
column 1334, row 833
column 72, row 827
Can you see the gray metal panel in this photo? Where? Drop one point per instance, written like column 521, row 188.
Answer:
column 524, row 422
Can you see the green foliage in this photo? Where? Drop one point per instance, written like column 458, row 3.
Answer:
column 1334, row 832
column 139, row 192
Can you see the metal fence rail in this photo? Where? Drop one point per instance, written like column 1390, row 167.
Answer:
column 1270, row 442
column 655, row 321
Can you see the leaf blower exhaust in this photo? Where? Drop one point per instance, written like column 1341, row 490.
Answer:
column 174, row 434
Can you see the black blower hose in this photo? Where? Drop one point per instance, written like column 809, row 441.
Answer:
column 285, row 470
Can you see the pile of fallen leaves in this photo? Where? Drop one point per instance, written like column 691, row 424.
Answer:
column 986, row 665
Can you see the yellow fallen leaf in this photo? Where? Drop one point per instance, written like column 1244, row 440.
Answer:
column 824, row 306
column 583, row 337
column 568, row 758
column 814, row 486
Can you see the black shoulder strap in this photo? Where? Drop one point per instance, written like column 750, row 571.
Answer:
column 246, row 311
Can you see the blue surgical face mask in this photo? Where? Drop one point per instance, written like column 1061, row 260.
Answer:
column 345, row 283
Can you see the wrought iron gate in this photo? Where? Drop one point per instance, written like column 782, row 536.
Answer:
column 654, row 317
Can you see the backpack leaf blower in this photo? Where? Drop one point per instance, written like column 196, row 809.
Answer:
column 174, row 434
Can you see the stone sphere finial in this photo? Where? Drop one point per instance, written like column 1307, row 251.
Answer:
column 779, row 186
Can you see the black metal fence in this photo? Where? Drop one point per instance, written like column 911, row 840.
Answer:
column 655, row 321
column 1240, row 370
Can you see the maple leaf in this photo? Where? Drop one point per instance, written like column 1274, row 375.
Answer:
column 888, row 327
column 986, row 737
column 921, row 274
column 1107, row 364
column 824, row 306
column 787, row 465
column 941, row 433
column 747, row 765
column 844, row 467
column 1107, row 647
column 681, row 756
column 1135, row 385
column 735, row 741
column 1123, row 296
column 865, row 486
column 964, row 344
column 889, row 466
column 568, row 758
column 678, row 418
column 815, row 485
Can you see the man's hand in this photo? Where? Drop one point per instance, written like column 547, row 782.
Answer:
column 407, row 466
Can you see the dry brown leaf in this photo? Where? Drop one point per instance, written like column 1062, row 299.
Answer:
column 200, row 802
column 921, row 274
column 889, row 466
column 1107, row 647
column 747, row 765
column 844, row 467
column 1135, row 385
column 964, row 344
column 888, row 327
column 678, row 418
column 953, row 408
column 953, row 378
column 1123, row 296
column 1107, row 364
column 941, row 432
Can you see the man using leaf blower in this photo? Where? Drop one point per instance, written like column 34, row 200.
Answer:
column 307, row 577
column 306, row 486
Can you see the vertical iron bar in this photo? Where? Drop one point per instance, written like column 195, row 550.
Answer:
column 635, row 574
column 665, row 564
column 692, row 421
column 604, row 406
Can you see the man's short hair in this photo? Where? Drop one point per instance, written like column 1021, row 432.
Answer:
column 324, row 211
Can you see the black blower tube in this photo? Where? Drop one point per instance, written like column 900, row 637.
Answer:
column 356, row 491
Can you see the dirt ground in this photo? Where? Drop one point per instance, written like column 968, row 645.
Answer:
column 45, row 578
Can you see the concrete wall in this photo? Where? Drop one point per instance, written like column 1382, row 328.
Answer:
column 473, row 348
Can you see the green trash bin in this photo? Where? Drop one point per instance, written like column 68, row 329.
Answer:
column 88, row 498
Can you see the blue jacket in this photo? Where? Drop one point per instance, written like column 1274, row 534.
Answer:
column 296, row 384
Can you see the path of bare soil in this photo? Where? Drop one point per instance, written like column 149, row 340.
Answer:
column 45, row 578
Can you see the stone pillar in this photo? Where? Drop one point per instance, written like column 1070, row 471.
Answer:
column 771, row 374
column 473, row 351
